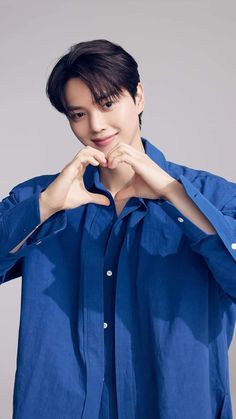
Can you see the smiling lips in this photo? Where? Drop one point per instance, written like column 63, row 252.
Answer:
column 104, row 141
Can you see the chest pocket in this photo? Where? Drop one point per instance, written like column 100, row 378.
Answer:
column 161, row 235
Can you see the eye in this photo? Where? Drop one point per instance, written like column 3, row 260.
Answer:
column 76, row 116
column 110, row 103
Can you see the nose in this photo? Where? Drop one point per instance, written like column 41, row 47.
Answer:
column 97, row 121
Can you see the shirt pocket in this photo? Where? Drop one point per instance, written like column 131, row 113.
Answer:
column 160, row 234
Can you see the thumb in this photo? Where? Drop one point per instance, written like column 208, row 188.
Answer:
column 99, row 199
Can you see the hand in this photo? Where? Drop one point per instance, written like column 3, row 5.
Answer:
column 68, row 191
column 149, row 180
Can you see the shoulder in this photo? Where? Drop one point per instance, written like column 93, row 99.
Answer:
column 214, row 187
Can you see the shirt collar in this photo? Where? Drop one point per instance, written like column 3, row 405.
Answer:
column 91, row 175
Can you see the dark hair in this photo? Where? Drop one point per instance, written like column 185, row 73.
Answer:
column 105, row 67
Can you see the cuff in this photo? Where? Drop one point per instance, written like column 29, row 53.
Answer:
column 27, row 214
column 220, row 222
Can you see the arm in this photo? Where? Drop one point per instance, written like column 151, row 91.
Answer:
column 175, row 193
column 45, row 213
column 24, row 214
column 219, row 248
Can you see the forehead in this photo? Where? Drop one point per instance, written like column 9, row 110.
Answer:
column 78, row 94
column 75, row 88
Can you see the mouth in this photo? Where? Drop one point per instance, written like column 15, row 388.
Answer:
column 103, row 141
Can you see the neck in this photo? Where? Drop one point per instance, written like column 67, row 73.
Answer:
column 116, row 179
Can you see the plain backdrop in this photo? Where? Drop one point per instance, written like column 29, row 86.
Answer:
column 187, row 63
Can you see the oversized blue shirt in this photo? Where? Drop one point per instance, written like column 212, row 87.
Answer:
column 129, row 316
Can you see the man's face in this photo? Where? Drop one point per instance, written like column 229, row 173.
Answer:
column 94, row 121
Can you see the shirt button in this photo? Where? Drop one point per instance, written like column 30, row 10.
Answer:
column 38, row 242
column 233, row 245
column 180, row 219
column 105, row 325
column 109, row 273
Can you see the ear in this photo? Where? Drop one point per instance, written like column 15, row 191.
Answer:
column 139, row 98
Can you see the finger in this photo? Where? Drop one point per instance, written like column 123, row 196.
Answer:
column 76, row 168
column 83, row 161
column 87, row 155
column 114, row 161
column 110, row 152
column 86, row 161
column 122, row 158
column 96, row 153
column 93, row 161
column 123, row 148
column 96, row 160
column 90, row 151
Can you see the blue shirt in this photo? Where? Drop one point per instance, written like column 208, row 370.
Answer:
column 129, row 316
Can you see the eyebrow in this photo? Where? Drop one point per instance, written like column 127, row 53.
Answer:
column 73, row 108
column 77, row 107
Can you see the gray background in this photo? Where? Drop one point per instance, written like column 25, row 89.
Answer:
column 186, row 55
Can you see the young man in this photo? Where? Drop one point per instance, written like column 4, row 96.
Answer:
column 128, row 263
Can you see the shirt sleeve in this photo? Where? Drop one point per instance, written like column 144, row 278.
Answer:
column 218, row 249
column 17, row 220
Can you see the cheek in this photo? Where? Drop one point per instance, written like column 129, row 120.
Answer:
column 125, row 116
column 129, row 119
column 77, row 129
column 73, row 127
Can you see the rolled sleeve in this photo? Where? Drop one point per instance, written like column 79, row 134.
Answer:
column 218, row 249
column 17, row 220
column 224, row 225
